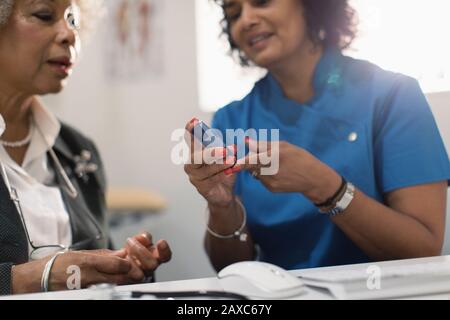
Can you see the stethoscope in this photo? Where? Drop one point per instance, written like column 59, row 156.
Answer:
column 68, row 186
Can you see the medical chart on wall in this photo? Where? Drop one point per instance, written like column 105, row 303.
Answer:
column 134, row 40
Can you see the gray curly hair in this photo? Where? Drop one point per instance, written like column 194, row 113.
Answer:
column 90, row 9
column 5, row 10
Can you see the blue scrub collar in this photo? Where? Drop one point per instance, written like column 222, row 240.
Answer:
column 328, row 73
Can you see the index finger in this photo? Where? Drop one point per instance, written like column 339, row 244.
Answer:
column 162, row 251
column 195, row 146
column 188, row 136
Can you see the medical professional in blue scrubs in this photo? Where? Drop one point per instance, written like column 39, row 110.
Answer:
column 363, row 170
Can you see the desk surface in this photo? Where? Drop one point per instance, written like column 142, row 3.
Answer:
column 213, row 284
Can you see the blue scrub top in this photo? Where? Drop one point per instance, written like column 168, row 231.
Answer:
column 397, row 145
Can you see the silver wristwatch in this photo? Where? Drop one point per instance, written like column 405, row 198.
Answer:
column 344, row 202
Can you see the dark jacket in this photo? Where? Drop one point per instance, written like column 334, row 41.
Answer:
column 88, row 205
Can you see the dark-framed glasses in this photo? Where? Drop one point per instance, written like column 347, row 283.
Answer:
column 40, row 252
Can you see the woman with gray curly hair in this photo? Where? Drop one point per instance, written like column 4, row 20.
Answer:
column 52, row 204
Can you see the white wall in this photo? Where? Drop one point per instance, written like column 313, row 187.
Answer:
column 440, row 104
column 132, row 124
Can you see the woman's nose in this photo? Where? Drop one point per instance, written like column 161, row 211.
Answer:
column 249, row 16
column 66, row 34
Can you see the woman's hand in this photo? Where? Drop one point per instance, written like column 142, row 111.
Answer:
column 144, row 256
column 211, row 171
column 96, row 266
column 126, row 266
column 298, row 170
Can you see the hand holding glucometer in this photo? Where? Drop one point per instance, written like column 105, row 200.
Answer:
column 214, row 180
column 212, row 139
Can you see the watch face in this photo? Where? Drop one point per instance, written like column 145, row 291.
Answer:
column 343, row 204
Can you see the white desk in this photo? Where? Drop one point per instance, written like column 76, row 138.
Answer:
column 213, row 284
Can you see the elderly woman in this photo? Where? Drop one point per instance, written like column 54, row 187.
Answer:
column 363, row 172
column 52, row 204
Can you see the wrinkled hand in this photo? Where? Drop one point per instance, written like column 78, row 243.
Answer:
column 96, row 266
column 144, row 256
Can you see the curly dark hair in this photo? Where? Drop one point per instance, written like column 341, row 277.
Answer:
column 330, row 23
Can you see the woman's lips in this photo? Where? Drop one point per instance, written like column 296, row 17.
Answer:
column 60, row 67
column 258, row 40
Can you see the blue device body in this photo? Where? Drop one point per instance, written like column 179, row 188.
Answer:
column 212, row 138
column 203, row 133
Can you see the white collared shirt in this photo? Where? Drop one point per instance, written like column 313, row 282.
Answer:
column 43, row 208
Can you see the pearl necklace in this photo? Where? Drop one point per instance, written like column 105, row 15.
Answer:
column 20, row 143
